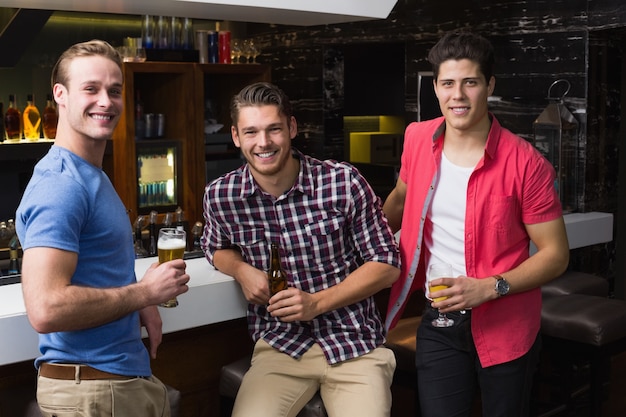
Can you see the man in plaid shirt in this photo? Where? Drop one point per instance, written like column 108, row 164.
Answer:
column 324, row 331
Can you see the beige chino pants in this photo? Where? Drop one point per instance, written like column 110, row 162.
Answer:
column 276, row 385
column 136, row 397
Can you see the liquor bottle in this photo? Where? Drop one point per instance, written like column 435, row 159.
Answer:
column 14, row 263
column 276, row 275
column 153, row 237
column 50, row 119
column 32, row 120
column 12, row 122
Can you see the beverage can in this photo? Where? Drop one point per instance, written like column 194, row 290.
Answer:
column 151, row 125
column 224, row 47
column 201, row 46
column 213, row 47
column 160, row 125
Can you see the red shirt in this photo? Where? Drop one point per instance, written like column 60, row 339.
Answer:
column 512, row 185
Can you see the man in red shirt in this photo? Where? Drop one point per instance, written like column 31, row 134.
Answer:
column 473, row 195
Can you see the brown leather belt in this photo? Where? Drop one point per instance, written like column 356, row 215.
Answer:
column 75, row 372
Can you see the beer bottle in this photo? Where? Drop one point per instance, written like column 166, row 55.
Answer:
column 276, row 275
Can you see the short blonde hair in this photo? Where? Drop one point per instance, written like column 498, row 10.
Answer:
column 94, row 47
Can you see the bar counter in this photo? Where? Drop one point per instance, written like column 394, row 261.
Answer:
column 206, row 331
column 213, row 297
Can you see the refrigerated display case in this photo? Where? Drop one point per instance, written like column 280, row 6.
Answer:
column 158, row 181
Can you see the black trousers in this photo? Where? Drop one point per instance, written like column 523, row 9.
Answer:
column 449, row 373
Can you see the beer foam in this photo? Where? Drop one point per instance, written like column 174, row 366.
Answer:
column 171, row 244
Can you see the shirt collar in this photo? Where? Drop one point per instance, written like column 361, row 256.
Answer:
column 304, row 181
column 492, row 138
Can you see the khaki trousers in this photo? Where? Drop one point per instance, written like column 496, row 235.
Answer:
column 136, row 397
column 276, row 385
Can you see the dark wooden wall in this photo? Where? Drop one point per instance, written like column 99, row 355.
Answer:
column 536, row 41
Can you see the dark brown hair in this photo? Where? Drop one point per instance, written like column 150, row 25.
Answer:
column 463, row 45
column 260, row 94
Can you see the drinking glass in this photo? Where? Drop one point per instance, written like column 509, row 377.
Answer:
column 175, row 33
column 186, row 34
column 442, row 270
column 235, row 51
column 246, row 51
column 162, row 33
column 254, row 50
column 147, row 31
column 171, row 245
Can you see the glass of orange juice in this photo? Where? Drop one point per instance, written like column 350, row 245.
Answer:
column 439, row 270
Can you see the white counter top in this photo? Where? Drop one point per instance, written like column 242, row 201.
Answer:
column 586, row 229
column 214, row 297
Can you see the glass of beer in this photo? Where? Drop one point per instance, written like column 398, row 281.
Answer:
column 442, row 270
column 171, row 245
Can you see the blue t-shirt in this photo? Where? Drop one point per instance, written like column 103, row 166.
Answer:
column 70, row 204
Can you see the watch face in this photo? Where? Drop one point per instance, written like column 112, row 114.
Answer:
column 502, row 286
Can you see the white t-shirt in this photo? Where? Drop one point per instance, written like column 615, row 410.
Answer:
column 444, row 229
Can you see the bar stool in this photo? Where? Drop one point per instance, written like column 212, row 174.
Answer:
column 574, row 282
column 32, row 410
column 589, row 327
column 231, row 376
column 401, row 340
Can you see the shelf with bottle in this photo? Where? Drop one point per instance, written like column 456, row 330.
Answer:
column 31, row 120
column 29, row 125
column 50, row 119
column 12, row 122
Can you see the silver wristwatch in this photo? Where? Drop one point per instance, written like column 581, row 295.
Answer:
column 502, row 285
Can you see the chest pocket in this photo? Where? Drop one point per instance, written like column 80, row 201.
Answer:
column 252, row 243
column 325, row 237
column 502, row 213
column 503, row 224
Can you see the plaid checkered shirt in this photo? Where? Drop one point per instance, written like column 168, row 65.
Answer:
column 327, row 225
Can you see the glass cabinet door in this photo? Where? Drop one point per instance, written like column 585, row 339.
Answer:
column 158, row 185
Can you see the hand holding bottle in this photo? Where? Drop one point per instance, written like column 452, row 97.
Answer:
column 276, row 275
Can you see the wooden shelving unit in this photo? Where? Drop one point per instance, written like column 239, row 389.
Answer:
column 179, row 91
